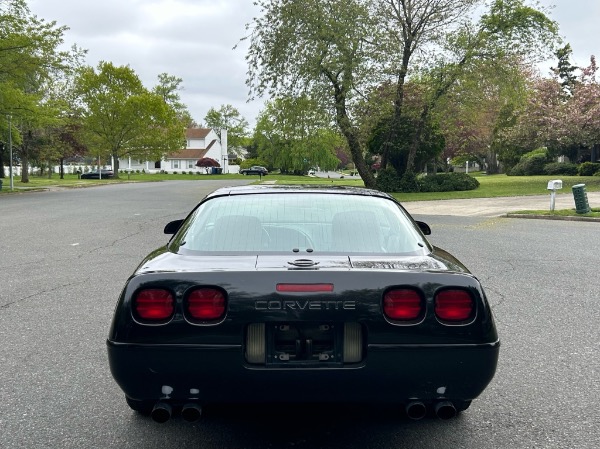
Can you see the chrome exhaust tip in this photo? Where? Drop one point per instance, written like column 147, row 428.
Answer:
column 445, row 410
column 161, row 412
column 416, row 410
column 191, row 412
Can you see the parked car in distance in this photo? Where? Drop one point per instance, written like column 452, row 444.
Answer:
column 255, row 170
column 300, row 294
column 95, row 175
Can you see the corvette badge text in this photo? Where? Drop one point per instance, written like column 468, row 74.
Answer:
column 304, row 305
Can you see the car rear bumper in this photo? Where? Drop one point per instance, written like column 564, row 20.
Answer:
column 220, row 374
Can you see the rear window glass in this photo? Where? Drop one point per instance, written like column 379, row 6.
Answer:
column 318, row 223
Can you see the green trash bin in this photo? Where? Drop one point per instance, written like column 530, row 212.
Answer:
column 581, row 200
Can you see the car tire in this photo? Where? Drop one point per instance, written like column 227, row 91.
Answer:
column 142, row 407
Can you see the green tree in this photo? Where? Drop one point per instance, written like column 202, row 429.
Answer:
column 509, row 27
column 294, row 134
column 122, row 118
column 564, row 70
column 168, row 88
column 30, row 64
column 321, row 50
column 229, row 118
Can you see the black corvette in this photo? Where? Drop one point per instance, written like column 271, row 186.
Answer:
column 301, row 294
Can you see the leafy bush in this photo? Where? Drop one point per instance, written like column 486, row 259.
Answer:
column 174, row 172
column 388, row 180
column 531, row 163
column 588, row 168
column 409, row 182
column 448, row 182
column 560, row 168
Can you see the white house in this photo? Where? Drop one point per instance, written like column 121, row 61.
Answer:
column 200, row 142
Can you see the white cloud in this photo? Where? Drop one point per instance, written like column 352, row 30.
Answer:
column 193, row 39
column 190, row 39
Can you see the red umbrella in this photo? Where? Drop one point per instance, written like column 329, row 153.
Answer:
column 207, row 162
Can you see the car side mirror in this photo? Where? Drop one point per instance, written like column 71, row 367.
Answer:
column 424, row 227
column 173, row 226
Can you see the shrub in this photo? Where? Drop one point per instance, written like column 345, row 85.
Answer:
column 588, row 168
column 388, row 180
column 530, row 166
column 174, row 172
column 448, row 182
column 409, row 183
column 531, row 163
column 560, row 168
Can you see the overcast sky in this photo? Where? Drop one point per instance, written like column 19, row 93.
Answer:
column 193, row 40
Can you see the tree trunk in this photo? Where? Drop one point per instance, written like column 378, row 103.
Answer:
column 115, row 167
column 24, row 167
column 398, row 106
column 345, row 125
column 492, row 163
column 62, row 168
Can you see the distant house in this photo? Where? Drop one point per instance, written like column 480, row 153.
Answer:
column 200, row 142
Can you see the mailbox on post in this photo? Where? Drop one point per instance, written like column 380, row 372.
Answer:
column 553, row 186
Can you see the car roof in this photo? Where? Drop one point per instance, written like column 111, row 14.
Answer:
column 296, row 188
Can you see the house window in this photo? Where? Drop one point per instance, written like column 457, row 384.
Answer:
column 190, row 164
column 175, row 164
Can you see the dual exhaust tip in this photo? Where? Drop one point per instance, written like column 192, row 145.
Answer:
column 162, row 412
column 415, row 410
column 418, row 410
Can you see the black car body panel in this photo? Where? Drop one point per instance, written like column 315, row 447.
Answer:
column 302, row 326
column 106, row 174
column 255, row 170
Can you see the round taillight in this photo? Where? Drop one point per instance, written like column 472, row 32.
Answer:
column 454, row 305
column 402, row 305
column 154, row 304
column 206, row 304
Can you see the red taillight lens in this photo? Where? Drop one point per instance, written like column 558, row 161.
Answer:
column 154, row 304
column 402, row 305
column 454, row 305
column 206, row 304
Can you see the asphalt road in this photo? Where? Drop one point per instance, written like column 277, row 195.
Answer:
column 64, row 256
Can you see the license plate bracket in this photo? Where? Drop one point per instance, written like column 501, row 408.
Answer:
column 293, row 344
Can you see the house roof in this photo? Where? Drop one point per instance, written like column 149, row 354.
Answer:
column 189, row 153
column 194, row 153
column 197, row 133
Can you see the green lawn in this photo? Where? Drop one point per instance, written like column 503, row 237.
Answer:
column 490, row 186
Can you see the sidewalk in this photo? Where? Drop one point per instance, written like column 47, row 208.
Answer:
column 494, row 207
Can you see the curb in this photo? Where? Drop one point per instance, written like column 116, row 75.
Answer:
column 552, row 217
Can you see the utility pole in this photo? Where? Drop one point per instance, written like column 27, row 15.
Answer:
column 10, row 158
